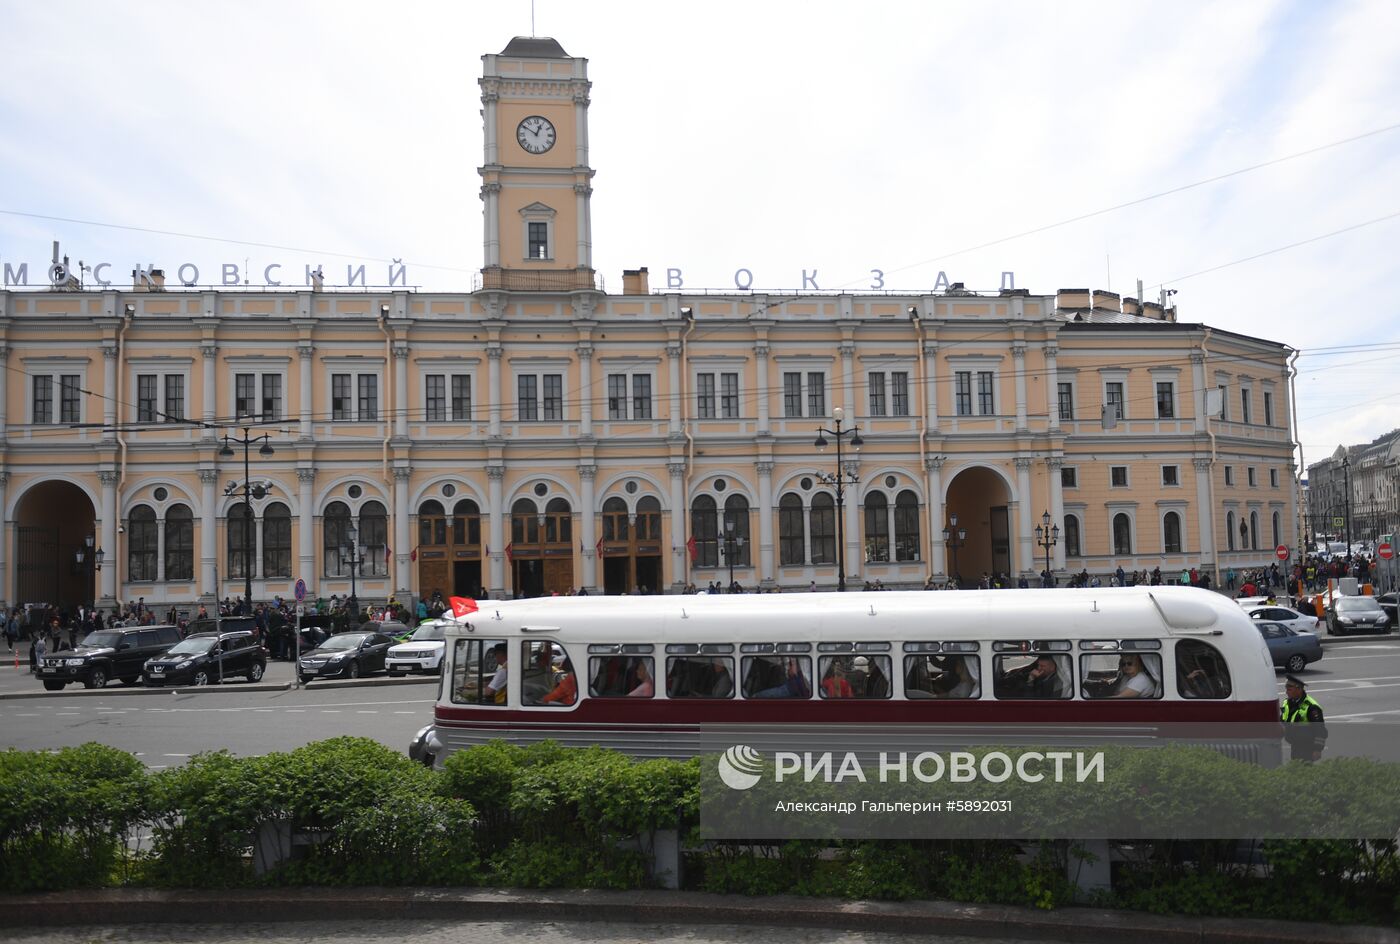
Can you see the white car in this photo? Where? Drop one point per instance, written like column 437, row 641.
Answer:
column 423, row 651
column 1273, row 613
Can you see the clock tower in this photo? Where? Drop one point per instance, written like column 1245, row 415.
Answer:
column 536, row 183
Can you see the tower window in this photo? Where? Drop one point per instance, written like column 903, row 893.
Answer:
column 538, row 243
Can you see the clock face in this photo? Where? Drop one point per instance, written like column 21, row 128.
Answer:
column 535, row 134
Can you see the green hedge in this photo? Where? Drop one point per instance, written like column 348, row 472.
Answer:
column 544, row 816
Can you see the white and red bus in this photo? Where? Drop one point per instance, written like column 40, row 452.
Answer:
column 644, row 674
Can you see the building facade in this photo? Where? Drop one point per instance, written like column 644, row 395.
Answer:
column 1355, row 492
column 537, row 434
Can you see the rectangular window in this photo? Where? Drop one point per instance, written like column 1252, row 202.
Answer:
column 1113, row 392
column 435, row 398
column 729, row 396
column 554, row 396
column 962, row 392
column 146, row 398
column 641, row 396
column 899, row 393
column 479, row 672
column 245, row 395
column 174, row 398
column 1244, row 405
column 272, row 396
column 617, row 396
column 43, row 399
column 368, row 386
column 340, row 396
column 539, row 240
column 69, row 405
column 1166, row 400
column 1118, row 476
column 1066, row 399
column 1069, row 477
column 816, row 394
column 1229, row 475
column 984, row 393
column 1268, row 408
column 792, row 394
column 705, row 396
column 1224, row 403
column 1273, row 478
column 1170, row 475
column 1250, row 476
column 877, row 393
column 461, row 397
column 527, row 398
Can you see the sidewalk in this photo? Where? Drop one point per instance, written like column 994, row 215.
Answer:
column 113, row 907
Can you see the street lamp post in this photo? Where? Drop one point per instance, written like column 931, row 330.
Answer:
column 89, row 562
column 839, row 481
column 249, row 492
column 731, row 544
column 353, row 604
column 1346, row 479
column 955, row 537
column 1047, row 536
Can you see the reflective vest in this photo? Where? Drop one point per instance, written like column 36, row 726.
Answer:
column 1300, row 714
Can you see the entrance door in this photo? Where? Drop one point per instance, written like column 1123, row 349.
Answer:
column 37, row 566
column 466, row 579
column 1001, row 541
column 617, row 575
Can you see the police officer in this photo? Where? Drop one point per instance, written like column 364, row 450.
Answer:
column 1304, row 729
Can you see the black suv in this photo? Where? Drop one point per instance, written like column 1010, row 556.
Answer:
column 207, row 659
column 118, row 652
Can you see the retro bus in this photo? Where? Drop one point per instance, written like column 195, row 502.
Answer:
column 643, row 674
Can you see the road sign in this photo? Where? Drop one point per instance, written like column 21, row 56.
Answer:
column 1281, row 552
column 1385, row 552
column 301, row 590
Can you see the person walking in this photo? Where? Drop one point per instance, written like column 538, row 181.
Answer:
column 1304, row 727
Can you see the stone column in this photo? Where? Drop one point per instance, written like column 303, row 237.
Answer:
column 109, row 403
column 209, row 384
column 491, row 194
column 848, row 393
column 763, row 393
column 855, row 547
column 1026, row 550
column 400, row 391
column 257, row 562
column 1018, row 362
column 585, row 393
column 6, row 594
column 680, row 558
column 767, row 573
column 306, row 528
column 1204, row 512
column 108, row 478
column 1052, row 386
column 673, row 364
column 403, row 579
column 305, row 352
column 495, row 475
column 208, row 535
column 1053, row 465
column 4, row 411
column 933, row 487
column 493, row 379
column 931, row 389
column 1198, row 396
column 582, row 248
column 588, row 527
column 160, row 550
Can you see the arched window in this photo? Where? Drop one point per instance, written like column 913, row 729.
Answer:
column 432, row 526
column 615, row 520
column 704, row 530
column 877, row 528
column 1278, row 531
column 141, row 544
column 558, row 522
column 1171, row 533
column 242, row 541
column 1229, row 530
column 823, row 528
column 1122, row 534
column 906, row 526
column 1254, row 530
column 524, row 524
column 466, row 522
column 736, row 509
column 373, row 537
column 277, row 540
column 1072, row 548
column 179, row 543
column 648, row 518
column 791, row 532
column 335, row 539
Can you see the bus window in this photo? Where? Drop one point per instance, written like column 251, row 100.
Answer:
column 620, row 677
column 541, row 671
column 854, row 676
column 928, row 676
column 1121, row 675
column 479, row 672
column 699, row 677
column 777, row 677
column 1033, row 675
column 1201, row 671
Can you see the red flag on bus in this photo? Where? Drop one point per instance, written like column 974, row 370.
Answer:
column 461, row 606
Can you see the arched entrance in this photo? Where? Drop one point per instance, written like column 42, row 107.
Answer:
column 54, row 521
column 980, row 498
column 631, row 546
column 449, row 549
column 541, row 549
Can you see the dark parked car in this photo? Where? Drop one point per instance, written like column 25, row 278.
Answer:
column 1357, row 614
column 207, row 659
column 110, row 653
column 1387, row 602
column 1288, row 647
column 346, row 655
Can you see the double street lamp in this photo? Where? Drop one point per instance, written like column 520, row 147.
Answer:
column 955, row 537
column 1047, row 536
column 839, row 481
column 88, row 561
column 354, row 559
column 250, row 491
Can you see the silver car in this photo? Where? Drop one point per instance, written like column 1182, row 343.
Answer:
column 1289, row 648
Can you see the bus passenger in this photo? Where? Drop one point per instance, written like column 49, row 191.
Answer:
column 835, row 684
column 1133, row 679
column 566, row 692
column 965, row 685
column 794, row 685
column 1039, row 679
column 496, row 688
column 721, row 682
column 644, row 688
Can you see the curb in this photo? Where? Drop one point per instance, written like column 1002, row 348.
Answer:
column 228, row 689
column 108, row 907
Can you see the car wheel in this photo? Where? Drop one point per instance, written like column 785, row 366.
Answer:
column 255, row 672
column 1296, row 663
column 54, row 686
column 97, row 679
column 354, row 671
column 201, row 677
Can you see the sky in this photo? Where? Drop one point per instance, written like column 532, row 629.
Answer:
column 1076, row 144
